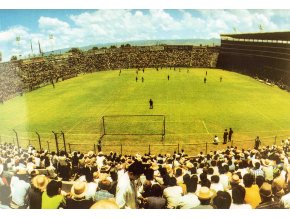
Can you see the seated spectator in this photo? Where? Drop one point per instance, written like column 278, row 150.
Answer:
column 78, row 200
column 215, row 184
column 204, row 196
column 252, row 196
column 222, row 200
column 38, row 186
column 105, row 204
column 216, row 140
column 268, row 170
column 5, row 197
column 278, row 185
column 92, row 186
column 19, row 190
column 190, row 200
column 260, row 180
column 103, row 190
column 52, row 197
column 238, row 196
column 267, row 198
column 286, row 200
column 155, row 201
column 172, row 193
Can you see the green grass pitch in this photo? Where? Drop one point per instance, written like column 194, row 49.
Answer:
column 195, row 111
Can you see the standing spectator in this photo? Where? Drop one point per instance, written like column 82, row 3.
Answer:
column 19, row 190
column 126, row 192
column 225, row 136
column 230, row 134
column 257, row 143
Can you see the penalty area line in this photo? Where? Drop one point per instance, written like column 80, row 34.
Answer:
column 205, row 127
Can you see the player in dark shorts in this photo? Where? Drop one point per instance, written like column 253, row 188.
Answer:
column 150, row 104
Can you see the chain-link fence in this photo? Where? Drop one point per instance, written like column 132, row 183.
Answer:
column 59, row 141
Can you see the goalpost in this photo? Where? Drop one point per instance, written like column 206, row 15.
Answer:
column 133, row 125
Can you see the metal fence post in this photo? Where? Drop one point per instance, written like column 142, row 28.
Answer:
column 56, row 142
column 95, row 148
column 17, row 140
column 39, row 141
column 178, row 148
column 149, row 149
column 206, row 148
column 69, row 147
column 121, row 149
column 48, row 148
column 63, row 140
column 275, row 140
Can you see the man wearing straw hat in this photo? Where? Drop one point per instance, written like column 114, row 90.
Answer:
column 267, row 198
column 204, row 195
column 78, row 200
column 39, row 184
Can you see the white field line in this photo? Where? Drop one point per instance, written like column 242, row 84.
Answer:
column 205, row 127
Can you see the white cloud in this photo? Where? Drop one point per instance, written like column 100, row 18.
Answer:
column 102, row 26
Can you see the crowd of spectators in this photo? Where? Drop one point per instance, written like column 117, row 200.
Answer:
column 21, row 76
column 222, row 179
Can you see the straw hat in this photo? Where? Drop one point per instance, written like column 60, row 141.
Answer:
column 21, row 172
column 40, row 182
column 79, row 189
column 266, row 190
column 204, row 193
column 235, row 179
column 154, row 166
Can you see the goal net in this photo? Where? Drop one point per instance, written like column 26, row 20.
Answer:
column 133, row 125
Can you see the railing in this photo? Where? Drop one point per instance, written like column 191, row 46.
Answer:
column 47, row 143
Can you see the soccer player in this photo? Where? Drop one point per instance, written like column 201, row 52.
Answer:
column 150, row 104
column 136, row 78
column 204, row 80
column 168, row 77
column 142, row 79
column 221, row 79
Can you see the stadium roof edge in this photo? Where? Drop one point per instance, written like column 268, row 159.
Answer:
column 285, row 35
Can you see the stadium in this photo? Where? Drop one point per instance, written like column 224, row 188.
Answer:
column 93, row 106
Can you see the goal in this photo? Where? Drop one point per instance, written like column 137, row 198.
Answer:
column 133, row 125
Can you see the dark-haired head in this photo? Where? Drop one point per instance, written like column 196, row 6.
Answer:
column 53, row 188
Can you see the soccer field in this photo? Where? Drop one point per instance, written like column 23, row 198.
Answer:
column 194, row 111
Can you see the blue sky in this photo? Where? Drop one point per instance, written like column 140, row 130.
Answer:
column 76, row 28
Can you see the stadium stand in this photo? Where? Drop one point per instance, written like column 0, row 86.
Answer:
column 264, row 56
column 26, row 75
column 31, row 179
